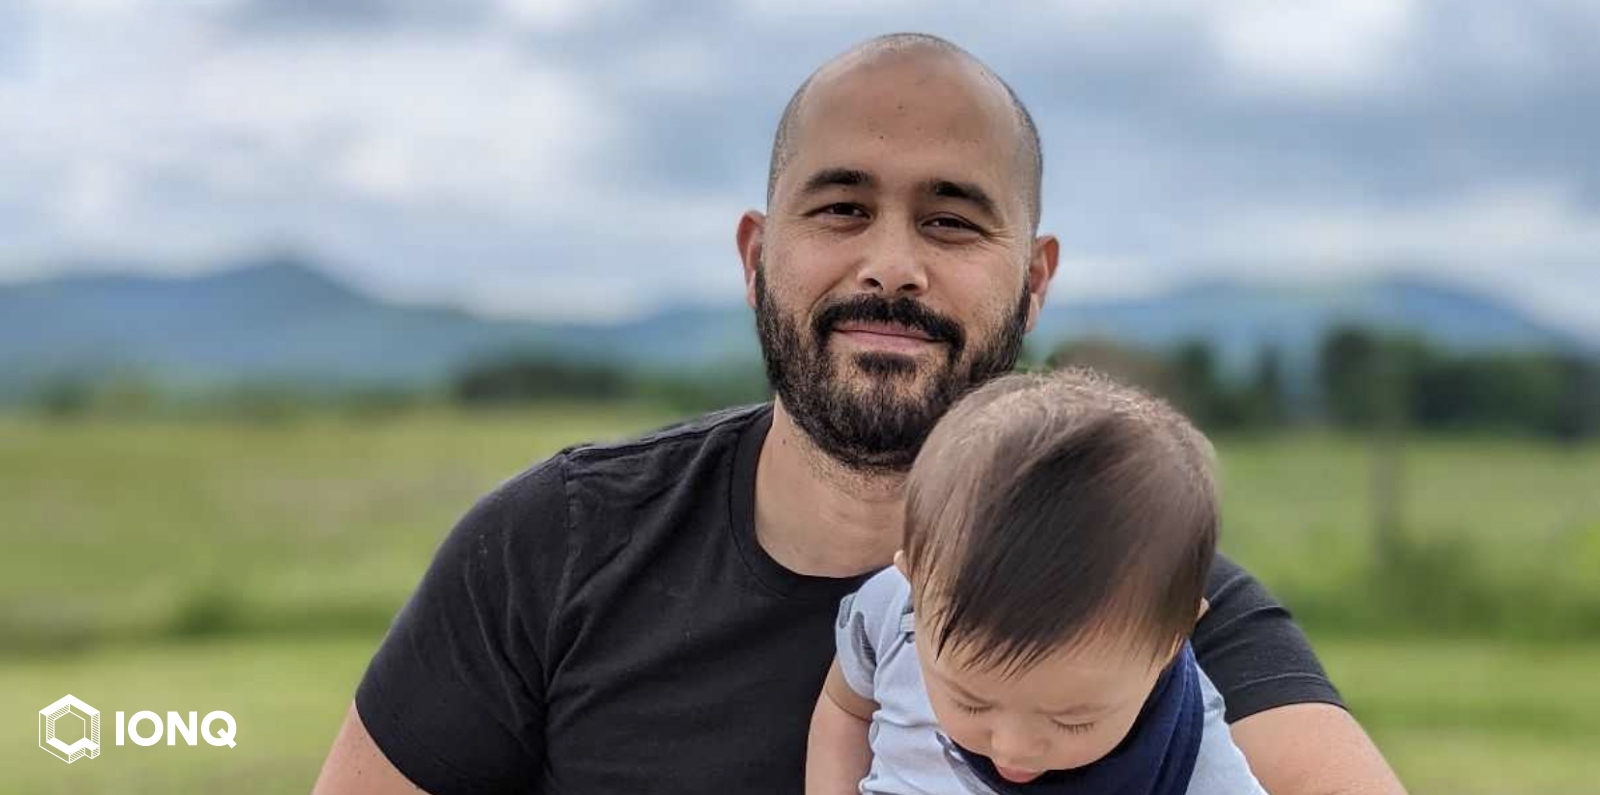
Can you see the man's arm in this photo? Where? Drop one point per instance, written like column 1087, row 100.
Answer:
column 1313, row 749
column 355, row 766
column 1286, row 716
column 453, row 701
column 838, row 754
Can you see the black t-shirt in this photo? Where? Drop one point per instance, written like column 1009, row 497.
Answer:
column 606, row 622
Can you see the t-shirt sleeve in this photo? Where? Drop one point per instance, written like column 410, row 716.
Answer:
column 866, row 623
column 454, row 696
column 1251, row 648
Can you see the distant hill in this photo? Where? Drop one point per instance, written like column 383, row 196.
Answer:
column 284, row 319
column 1239, row 319
column 273, row 319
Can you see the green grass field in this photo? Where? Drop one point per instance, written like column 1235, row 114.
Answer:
column 252, row 567
column 1468, row 718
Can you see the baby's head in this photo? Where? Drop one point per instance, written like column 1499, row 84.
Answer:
column 1059, row 530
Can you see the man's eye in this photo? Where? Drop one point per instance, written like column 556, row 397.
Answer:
column 848, row 210
column 948, row 222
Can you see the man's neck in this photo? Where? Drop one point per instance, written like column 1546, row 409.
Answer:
column 816, row 517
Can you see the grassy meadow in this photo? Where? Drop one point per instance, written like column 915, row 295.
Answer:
column 252, row 567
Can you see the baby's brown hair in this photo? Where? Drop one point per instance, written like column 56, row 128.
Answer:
column 1048, row 509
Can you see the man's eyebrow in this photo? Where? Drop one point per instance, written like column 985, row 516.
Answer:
column 967, row 192
column 836, row 177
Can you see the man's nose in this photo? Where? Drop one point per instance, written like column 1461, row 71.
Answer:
column 892, row 266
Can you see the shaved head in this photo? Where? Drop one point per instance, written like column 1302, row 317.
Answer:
column 1030, row 157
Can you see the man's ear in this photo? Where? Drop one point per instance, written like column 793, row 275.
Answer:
column 1042, row 262
column 1205, row 604
column 750, row 237
column 900, row 563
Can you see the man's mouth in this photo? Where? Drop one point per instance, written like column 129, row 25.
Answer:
column 886, row 337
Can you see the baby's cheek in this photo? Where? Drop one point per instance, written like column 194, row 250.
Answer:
column 1114, row 732
column 966, row 730
column 1076, row 750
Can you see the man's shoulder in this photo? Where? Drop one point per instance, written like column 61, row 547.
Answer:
column 719, row 429
column 641, row 465
column 600, row 491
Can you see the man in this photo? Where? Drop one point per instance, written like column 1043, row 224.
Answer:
column 656, row 616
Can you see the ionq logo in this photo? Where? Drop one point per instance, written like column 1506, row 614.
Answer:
column 88, row 745
column 52, row 718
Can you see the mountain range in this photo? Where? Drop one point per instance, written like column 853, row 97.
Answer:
column 285, row 319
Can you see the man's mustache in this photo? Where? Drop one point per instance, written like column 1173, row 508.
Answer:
column 907, row 312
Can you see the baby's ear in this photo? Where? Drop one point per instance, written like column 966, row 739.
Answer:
column 1205, row 604
column 900, row 563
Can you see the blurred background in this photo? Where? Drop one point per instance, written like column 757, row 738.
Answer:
column 286, row 284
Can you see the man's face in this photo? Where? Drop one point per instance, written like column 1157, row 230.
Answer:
column 897, row 268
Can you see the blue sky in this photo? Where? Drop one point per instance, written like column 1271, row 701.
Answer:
column 589, row 158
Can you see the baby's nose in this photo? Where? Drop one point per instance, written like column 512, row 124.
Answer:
column 1016, row 744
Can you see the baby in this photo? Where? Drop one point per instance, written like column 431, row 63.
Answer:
column 1032, row 636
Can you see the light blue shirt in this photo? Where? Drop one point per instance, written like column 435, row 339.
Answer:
column 911, row 756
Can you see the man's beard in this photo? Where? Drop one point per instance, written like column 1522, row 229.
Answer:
column 876, row 426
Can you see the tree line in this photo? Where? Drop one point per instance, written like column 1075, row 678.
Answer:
column 1359, row 379
column 1365, row 379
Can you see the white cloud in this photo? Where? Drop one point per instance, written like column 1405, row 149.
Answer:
column 1506, row 41
column 571, row 159
column 1534, row 243
column 1496, row 227
column 1319, row 48
column 92, row 193
column 1084, row 276
column 818, row 10
column 670, row 65
column 412, row 119
column 556, row 16
column 96, row 8
column 113, row 124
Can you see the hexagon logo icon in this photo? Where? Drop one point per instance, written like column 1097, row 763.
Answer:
column 87, row 745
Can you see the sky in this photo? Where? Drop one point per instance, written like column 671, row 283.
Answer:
column 589, row 159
